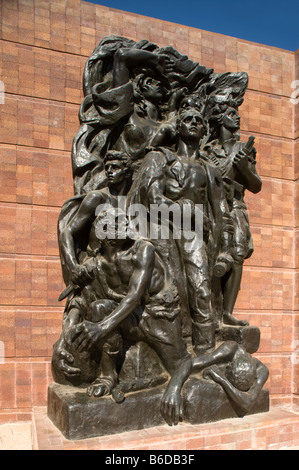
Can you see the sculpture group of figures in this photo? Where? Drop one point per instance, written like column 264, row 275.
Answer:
column 156, row 130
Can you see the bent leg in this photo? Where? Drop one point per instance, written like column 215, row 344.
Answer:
column 242, row 249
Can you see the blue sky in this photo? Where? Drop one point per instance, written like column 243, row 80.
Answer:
column 274, row 23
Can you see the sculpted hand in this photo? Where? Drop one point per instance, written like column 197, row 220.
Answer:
column 165, row 63
column 87, row 335
column 172, row 407
column 225, row 258
column 64, row 359
column 176, row 97
column 241, row 161
column 69, row 335
column 80, row 275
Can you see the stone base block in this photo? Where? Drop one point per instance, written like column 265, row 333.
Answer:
column 206, row 402
column 278, row 429
column 248, row 336
column 78, row 416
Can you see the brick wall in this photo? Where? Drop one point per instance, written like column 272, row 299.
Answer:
column 296, row 229
column 44, row 46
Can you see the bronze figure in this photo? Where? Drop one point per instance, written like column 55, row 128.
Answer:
column 149, row 313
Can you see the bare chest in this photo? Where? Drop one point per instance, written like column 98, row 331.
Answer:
column 186, row 179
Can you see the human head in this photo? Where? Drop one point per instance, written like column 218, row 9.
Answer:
column 118, row 167
column 241, row 373
column 191, row 125
column 225, row 115
column 149, row 87
column 231, row 119
column 191, row 101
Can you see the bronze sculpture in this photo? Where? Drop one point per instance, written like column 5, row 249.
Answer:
column 148, row 315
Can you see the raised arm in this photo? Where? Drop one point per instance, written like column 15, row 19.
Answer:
column 125, row 59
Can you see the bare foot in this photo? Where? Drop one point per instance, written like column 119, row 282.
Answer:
column 100, row 387
column 229, row 319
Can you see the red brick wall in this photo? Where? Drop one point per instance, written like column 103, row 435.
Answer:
column 296, row 227
column 44, row 46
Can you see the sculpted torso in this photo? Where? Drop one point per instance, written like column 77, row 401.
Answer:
column 186, row 179
column 119, row 268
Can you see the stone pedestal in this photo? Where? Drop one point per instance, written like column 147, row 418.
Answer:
column 277, row 429
column 248, row 336
column 78, row 416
